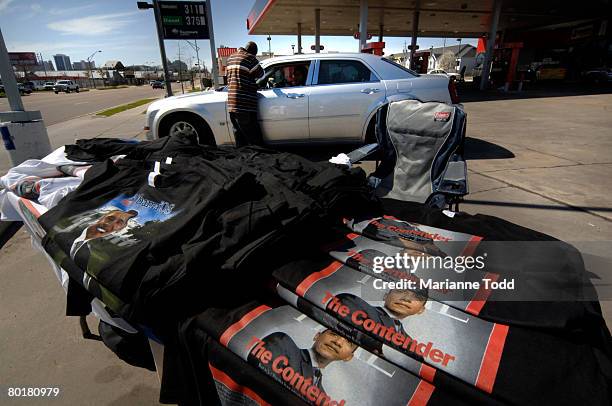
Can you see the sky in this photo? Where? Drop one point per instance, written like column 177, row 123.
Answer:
column 78, row 28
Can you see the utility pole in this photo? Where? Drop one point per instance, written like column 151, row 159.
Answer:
column 180, row 67
column 23, row 132
column 269, row 46
column 196, row 48
column 195, row 42
column 43, row 64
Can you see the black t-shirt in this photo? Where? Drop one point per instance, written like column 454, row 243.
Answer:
column 161, row 234
column 552, row 289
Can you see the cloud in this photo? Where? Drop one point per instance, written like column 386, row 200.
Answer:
column 4, row 4
column 93, row 25
column 69, row 10
column 53, row 47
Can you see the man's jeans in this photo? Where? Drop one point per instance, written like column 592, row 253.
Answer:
column 246, row 129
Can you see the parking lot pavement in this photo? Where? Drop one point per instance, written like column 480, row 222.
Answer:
column 127, row 124
column 543, row 163
column 57, row 108
column 546, row 164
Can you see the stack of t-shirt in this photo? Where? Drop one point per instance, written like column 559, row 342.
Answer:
column 445, row 337
column 276, row 355
column 156, row 234
column 451, row 348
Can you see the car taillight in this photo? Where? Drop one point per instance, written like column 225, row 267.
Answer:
column 452, row 89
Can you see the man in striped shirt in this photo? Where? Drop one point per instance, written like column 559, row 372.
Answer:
column 243, row 70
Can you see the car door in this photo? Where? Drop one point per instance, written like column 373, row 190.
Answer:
column 283, row 104
column 342, row 96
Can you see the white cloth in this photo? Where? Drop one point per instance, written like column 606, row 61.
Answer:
column 341, row 159
column 52, row 187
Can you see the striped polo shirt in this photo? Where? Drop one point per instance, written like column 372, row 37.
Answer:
column 243, row 70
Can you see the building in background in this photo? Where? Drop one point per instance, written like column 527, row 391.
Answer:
column 222, row 54
column 83, row 65
column 47, row 65
column 461, row 55
column 62, row 62
column 113, row 65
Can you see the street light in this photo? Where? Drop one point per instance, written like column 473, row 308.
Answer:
column 269, row 46
column 89, row 67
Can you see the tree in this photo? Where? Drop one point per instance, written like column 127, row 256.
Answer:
column 177, row 66
column 447, row 62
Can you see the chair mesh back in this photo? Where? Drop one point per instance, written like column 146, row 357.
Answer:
column 421, row 137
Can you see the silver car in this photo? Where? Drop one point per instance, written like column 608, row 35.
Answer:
column 309, row 98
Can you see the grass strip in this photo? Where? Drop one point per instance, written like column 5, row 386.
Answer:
column 123, row 107
column 112, row 87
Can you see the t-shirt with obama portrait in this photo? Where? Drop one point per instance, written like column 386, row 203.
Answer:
column 99, row 239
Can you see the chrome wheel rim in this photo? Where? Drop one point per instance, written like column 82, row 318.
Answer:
column 183, row 128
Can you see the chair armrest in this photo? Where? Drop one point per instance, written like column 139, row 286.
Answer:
column 362, row 152
column 454, row 181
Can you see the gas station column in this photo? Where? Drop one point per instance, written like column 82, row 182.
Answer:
column 299, row 38
column 415, row 31
column 381, row 28
column 317, row 30
column 486, row 64
column 363, row 24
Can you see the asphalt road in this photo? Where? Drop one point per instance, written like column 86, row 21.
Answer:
column 56, row 108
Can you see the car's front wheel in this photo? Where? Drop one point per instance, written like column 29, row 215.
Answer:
column 77, row 89
column 187, row 125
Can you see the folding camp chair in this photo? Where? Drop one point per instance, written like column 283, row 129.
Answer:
column 421, row 144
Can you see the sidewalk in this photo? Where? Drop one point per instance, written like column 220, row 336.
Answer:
column 40, row 346
column 127, row 124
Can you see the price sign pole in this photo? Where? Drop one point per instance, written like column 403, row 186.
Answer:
column 183, row 20
column 162, row 48
column 213, row 57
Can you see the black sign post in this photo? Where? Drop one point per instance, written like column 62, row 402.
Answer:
column 182, row 20
column 162, row 48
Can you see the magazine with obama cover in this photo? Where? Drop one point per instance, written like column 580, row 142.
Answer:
column 407, row 324
column 441, row 261
column 317, row 364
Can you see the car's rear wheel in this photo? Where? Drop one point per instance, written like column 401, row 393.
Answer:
column 56, row 92
column 77, row 89
column 186, row 125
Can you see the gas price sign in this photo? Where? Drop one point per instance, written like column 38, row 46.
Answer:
column 184, row 19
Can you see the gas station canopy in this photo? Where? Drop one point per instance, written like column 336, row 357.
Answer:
column 395, row 18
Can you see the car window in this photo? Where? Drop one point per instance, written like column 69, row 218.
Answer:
column 336, row 72
column 287, row 75
column 403, row 71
